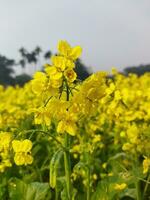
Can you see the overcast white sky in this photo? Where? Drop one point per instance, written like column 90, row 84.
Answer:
column 111, row 32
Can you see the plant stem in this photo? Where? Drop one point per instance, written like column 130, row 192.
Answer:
column 138, row 190
column 136, row 164
column 56, row 193
column 67, row 167
column 88, row 184
column 67, row 155
column 146, row 186
column 46, row 133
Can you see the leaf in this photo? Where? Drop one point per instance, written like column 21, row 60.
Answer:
column 105, row 189
column 41, row 190
column 17, row 189
column 3, row 189
column 33, row 191
column 131, row 192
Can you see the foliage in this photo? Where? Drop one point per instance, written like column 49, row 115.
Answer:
column 139, row 70
column 6, row 70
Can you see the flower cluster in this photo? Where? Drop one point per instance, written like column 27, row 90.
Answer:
column 5, row 139
column 61, row 70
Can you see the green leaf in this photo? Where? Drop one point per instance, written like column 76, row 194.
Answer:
column 105, row 189
column 131, row 192
column 101, row 191
column 19, row 190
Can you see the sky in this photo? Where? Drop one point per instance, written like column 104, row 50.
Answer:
column 112, row 33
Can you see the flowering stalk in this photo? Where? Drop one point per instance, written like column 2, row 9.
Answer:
column 88, row 173
column 137, row 182
column 67, row 156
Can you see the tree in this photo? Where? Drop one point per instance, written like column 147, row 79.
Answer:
column 81, row 70
column 139, row 70
column 22, row 79
column 29, row 58
column 6, row 71
column 47, row 55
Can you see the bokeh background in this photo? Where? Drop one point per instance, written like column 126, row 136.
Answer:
column 111, row 33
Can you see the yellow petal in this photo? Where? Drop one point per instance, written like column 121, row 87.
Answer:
column 64, row 48
column 71, row 129
column 26, row 145
column 51, row 70
column 28, row 159
column 19, row 159
column 70, row 75
column 75, row 52
column 17, row 146
column 59, row 62
column 60, row 127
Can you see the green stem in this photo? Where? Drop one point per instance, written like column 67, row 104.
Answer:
column 88, row 184
column 67, row 167
column 56, row 193
column 46, row 133
column 138, row 190
column 136, row 164
column 146, row 186
column 67, row 155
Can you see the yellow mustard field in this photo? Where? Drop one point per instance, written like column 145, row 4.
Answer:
column 62, row 138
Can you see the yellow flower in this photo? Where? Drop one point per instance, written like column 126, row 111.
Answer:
column 104, row 165
column 121, row 186
column 21, row 146
column 146, row 165
column 97, row 138
column 22, row 151
column 66, row 50
column 53, row 72
column 23, row 159
column 5, row 139
column 61, row 63
column 95, row 176
column 5, row 142
column 4, row 164
column 56, row 83
column 117, row 95
column 110, row 174
column 42, row 116
column 39, row 83
column 127, row 147
column 75, row 148
column 68, row 124
column 70, row 75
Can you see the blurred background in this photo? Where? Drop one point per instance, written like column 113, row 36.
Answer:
column 111, row 33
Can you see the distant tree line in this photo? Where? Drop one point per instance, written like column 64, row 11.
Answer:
column 30, row 59
column 139, row 70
